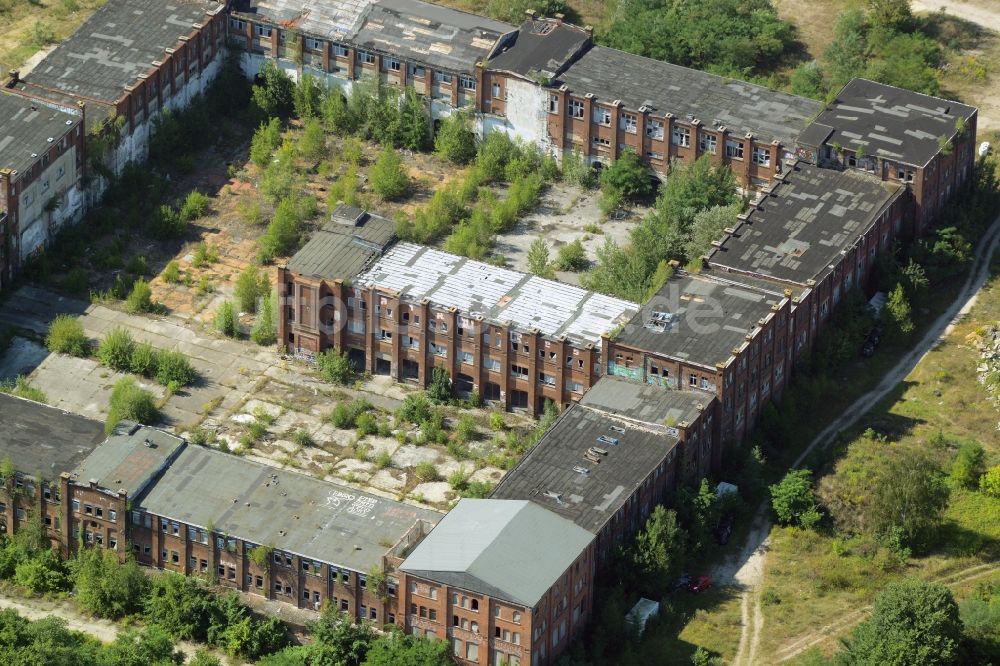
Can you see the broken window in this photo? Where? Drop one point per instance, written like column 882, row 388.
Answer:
column 576, row 109
column 391, row 64
column 707, row 143
column 761, row 156
column 553, row 103
column 466, row 82
column 734, row 149
column 366, row 58
column 602, row 116
column 681, row 136
column 340, row 51
column 628, row 123
column 654, row 129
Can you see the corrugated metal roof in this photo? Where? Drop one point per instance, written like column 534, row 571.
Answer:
column 511, row 549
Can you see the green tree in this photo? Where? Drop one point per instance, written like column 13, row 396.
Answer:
column 130, row 403
column 708, row 225
column 913, row 623
column 338, row 640
column 440, row 389
column 894, row 15
column 337, row 116
column 989, row 483
column 538, row 258
column 658, row 553
column 265, row 328
column 571, row 257
column 414, row 121
column 312, row 142
column 307, row 97
column 793, row 499
column 143, row 647
column 66, row 336
column 181, row 605
column 398, row 649
column 140, row 299
column 265, row 141
column 912, row 496
column 968, row 466
column 455, row 141
column 107, row 588
column 698, row 511
column 42, row 573
column 252, row 285
column 388, row 176
column 627, row 177
column 807, row 80
column 226, row 321
column 898, row 311
column 274, row 94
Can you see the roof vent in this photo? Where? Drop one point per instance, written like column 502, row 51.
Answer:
column 34, row 154
column 554, row 495
column 148, row 444
column 610, row 441
column 49, row 140
column 580, row 469
column 69, row 122
column 597, row 451
column 618, row 429
column 661, row 322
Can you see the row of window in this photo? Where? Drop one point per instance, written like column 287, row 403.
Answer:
column 95, row 511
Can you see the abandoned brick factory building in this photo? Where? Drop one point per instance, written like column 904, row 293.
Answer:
column 648, row 391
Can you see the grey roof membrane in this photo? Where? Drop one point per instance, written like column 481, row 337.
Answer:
column 27, row 127
column 890, row 122
column 129, row 459
column 688, row 93
column 698, row 318
column 557, row 475
column 117, row 44
column 497, row 294
column 513, row 550
column 265, row 505
column 797, row 232
column 541, row 45
column 438, row 36
column 43, row 440
column 645, row 403
column 344, row 245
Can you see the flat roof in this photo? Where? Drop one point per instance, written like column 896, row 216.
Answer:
column 497, row 294
column 344, row 245
column 897, row 124
column 688, row 93
column 698, row 318
column 43, row 440
column 645, row 403
column 129, row 459
column 796, row 232
column 541, row 46
column 116, row 44
column 556, row 474
column 442, row 37
column 27, row 127
column 512, row 550
column 290, row 511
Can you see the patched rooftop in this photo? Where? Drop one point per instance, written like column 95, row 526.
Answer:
column 541, row 46
column 699, row 318
column 441, row 37
column 510, row 550
column 28, row 128
column 690, row 94
column 294, row 512
column 344, row 245
column 117, row 44
column 588, row 464
column 645, row 403
column 796, row 232
column 497, row 294
column 896, row 124
column 42, row 440
column 129, row 460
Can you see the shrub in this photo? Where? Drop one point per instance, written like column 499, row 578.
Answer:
column 195, row 206
column 172, row 273
column 426, row 471
column 204, row 254
column 225, row 320
column 465, row 429
column 416, row 408
column 140, row 299
column 143, row 360
column 130, row 403
column 345, row 415
column 458, row 480
column 115, row 350
column 366, row 424
column 476, row 490
column 388, row 176
column 626, row 178
column 137, row 265
column 383, row 459
column 968, row 466
column 266, row 140
column 312, row 142
column 284, row 231
column 334, row 366
column 793, row 499
column 166, row 224
column 251, row 285
column 174, row 367
column 440, row 389
column 66, row 336
column 989, row 483
column 538, row 258
column 303, row 438
column 571, row 257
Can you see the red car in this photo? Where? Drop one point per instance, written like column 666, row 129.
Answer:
column 700, row 584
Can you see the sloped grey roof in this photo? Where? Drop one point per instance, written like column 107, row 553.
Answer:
column 645, row 402
column 129, row 459
column 541, row 45
column 26, row 125
column 510, row 549
column 889, row 122
column 342, row 248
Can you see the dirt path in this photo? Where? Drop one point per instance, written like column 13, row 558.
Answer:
column 103, row 630
column 984, row 12
column 747, row 569
column 845, row 622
